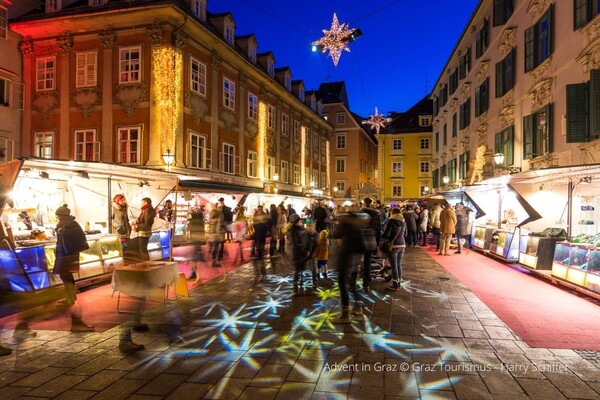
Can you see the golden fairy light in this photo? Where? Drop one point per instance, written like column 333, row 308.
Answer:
column 303, row 155
column 167, row 70
column 262, row 139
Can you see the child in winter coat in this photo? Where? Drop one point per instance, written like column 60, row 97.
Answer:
column 322, row 254
column 313, row 246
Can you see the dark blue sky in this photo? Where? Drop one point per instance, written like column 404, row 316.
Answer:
column 392, row 66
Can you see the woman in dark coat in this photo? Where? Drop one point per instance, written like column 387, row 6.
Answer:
column 144, row 226
column 299, row 242
column 197, row 232
column 394, row 230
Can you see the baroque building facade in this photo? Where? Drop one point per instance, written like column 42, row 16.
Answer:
column 155, row 82
column 521, row 81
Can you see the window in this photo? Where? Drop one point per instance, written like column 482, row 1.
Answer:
column 482, row 39
column 452, row 170
column 86, row 69
column 341, row 187
column 199, row 153
column 464, row 64
column 252, row 164
column 271, row 68
column 288, row 82
column 445, row 136
column 583, row 12
column 197, row 77
column 396, row 190
column 315, row 177
column 3, row 22
column 537, row 133
column 340, row 118
column 296, row 132
column 443, row 95
column 46, row 71
column 453, row 82
column 463, row 164
column 284, row 176
column 424, row 144
column 465, row 114
column 229, row 34
column 130, row 64
column 396, row 167
column 424, row 166
column 505, row 74
column 538, row 41
column 87, row 148
column 199, row 9
column 8, row 146
column 129, row 144
column 4, row 92
column 583, row 110
column 228, row 159
column 504, row 143
column 424, row 121
column 396, row 144
column 97, row 2
column 271, row 169
column 503, row 9
column 482, row 97
column 296, row 174
column 285, row 125
column 252, row 106
column 340, row 164
column 315, row 142
column 437, row 141
column 454, row 125
column 53, row 5
column 228, row 94
column 252, row 52
column 340, row 141
column 271, row 117
column 44, row 143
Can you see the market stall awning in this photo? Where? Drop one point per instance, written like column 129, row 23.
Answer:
column 214, row 186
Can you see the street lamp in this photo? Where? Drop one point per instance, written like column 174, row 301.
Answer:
column 446, row 179
column 499, row 161
column 335, row 191
column 276, row 176
column 168, row 159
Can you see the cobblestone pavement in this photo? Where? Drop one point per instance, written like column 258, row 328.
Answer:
column 247, row 336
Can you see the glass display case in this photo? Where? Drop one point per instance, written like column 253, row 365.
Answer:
column 572, row 264
column 482, row 237
column 537, row 252
column 24, row 269
column 504, row 246
column 159, row 245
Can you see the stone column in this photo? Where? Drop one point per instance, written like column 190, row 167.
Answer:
column 27, row 48
column 181, row 41
column 243, row 95
column 216, row 91
column 65, row 43
column 107, row 38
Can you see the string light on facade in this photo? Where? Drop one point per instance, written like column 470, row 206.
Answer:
column 377, row 121
column 262, row 139
column 167, row 69
column 304, row 178
column 336, row 40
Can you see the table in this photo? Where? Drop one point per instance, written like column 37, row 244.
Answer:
column 138, row 280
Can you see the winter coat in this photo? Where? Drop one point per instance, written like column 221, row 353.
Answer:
column 323, row 250
column 395, row 228
column 145, row 222
column 423, row 220
column 196, row 228
column 298, row 239
column 260, row 225
column 215, row 226
column 349, row 231
column 462, row 223
column 434, row 219
column 448, row 220
column 312, row 243
column 410, row 217
column 70, row 241
column 120, row 220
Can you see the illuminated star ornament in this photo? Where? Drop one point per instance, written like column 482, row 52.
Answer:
column 336, row 39
column 377, row 121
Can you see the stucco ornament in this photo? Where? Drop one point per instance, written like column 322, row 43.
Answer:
column 108, row 37
column 483, row 71
column 227, row 117
column 129, row 95
column 508, row 40
column 86, row 99
column 479, row 164
column 507, row 116
column 537, row 8
column 482, row 134
column 44, row 103
column 540, row 93
column 198, row 106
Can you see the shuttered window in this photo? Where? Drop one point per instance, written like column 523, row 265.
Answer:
column 537, row 133
column 538, row 40
column 86, row 66
column 503, row 9
column 482, row 97
column 464, row 64
column 482, row 39
column 577, row 124
column 583, row 12
column 463, row 164
column 465, row 114
column 504, row 143
column 505, row 74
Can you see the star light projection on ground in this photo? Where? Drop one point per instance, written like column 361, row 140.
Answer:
column 336, row 39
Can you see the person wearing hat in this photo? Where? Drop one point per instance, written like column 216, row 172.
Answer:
column 144, row 226
column 120, row 217
column 375, row 225
column 70, row 241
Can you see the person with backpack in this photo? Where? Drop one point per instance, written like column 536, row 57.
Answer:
column 375, row 225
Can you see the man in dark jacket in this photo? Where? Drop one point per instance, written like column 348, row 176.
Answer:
column 320, row 216
column 70, row 241
column 411, row 218
column 299, row 241
column 375, row 225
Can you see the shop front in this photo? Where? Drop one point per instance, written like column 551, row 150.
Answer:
column 41, row 186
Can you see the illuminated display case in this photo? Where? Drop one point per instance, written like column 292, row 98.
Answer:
column 577, row 263
column 537, row 252
column 482, row 237
column 504, row 245
column 24, row 269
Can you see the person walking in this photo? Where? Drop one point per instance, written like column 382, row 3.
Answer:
column 282, row 220
column 348, row 231
column 423, row 223
column 215, row 233
column 322, row 254
column 411, row 218
column 312, row 247
column 261, row 228
column 299, row 242
column 197, row 233
column 462, row 222
column 272, row 229
column 375, row 225
column 70, row 241
column 447, row 229
column 394, row 232
column 320, row 215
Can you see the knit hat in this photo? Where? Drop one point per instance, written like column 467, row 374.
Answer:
column 63, row 211
column 118, row 198
column 294, row 218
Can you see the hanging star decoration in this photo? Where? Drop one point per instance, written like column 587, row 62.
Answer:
column 336, row 39
column 377, row 121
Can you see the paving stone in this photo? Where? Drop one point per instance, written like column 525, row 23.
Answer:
column 571, row 386
column 271, row 375
column 189, row 391
column 501, row 382
column 540, row 389
column 121, row 389
column 227, row 388
column 73, row 394
column 12, row 392
column 56, row 386
column 8, row 377
column 39, row 378
column 101, row 380
column 162, row 385
column 469, row 386
column 253, row 393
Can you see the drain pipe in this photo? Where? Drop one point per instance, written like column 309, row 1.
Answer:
column 570, row 188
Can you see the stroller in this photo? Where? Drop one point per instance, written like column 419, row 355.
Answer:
column 380, row 268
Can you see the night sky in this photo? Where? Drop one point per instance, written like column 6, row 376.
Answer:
column 405, row 43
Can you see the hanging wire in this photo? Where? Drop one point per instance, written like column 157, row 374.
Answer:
column 376, row 11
